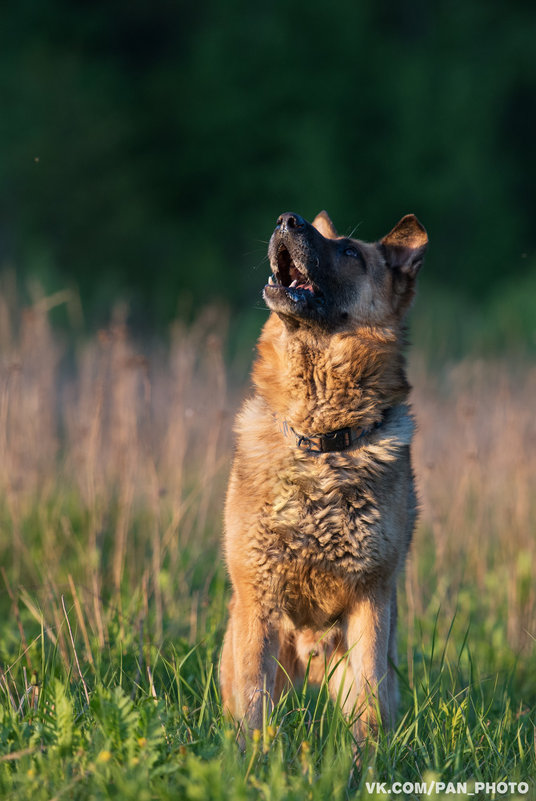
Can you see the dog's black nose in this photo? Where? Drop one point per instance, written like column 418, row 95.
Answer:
column 290, row 222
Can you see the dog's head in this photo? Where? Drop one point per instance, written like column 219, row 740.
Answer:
column 322, row 279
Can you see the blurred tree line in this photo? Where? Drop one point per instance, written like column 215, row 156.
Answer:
column 146, row 149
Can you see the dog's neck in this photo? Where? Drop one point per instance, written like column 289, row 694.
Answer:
column 320, row 384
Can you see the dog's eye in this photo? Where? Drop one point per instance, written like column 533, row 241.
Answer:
column 354, row 253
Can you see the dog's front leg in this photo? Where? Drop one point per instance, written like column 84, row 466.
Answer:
column 255, row 650
column 368, row 627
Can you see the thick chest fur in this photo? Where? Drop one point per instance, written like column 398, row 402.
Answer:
column 307, row 531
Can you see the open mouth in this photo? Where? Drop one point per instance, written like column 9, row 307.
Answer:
column 288, row 275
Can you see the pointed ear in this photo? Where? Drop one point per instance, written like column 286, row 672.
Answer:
column 323, row 225
column 404, row 247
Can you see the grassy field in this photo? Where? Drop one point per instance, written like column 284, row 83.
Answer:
column 113, row 595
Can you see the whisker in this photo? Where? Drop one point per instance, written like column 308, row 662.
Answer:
column 354, row 229
column 264, row 260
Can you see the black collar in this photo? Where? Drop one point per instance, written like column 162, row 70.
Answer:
column 338, row 440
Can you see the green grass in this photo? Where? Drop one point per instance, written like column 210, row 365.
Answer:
column 156, row 739
column 131, row 718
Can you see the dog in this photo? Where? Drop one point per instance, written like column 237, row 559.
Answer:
column 321, row 503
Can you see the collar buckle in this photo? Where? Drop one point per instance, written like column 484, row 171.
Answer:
column 307, row 443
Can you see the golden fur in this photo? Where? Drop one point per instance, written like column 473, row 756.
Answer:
column 314, row 542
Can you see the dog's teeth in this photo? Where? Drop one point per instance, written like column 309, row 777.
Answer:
column 271, row 279
column 294, row 283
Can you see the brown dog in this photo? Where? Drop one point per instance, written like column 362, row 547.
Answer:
column 321, row 504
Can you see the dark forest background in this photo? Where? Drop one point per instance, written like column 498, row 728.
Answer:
column 146, row 149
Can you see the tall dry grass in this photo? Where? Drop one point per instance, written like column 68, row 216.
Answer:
column 112, row 468
column 113, row 463
column 475, row 459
